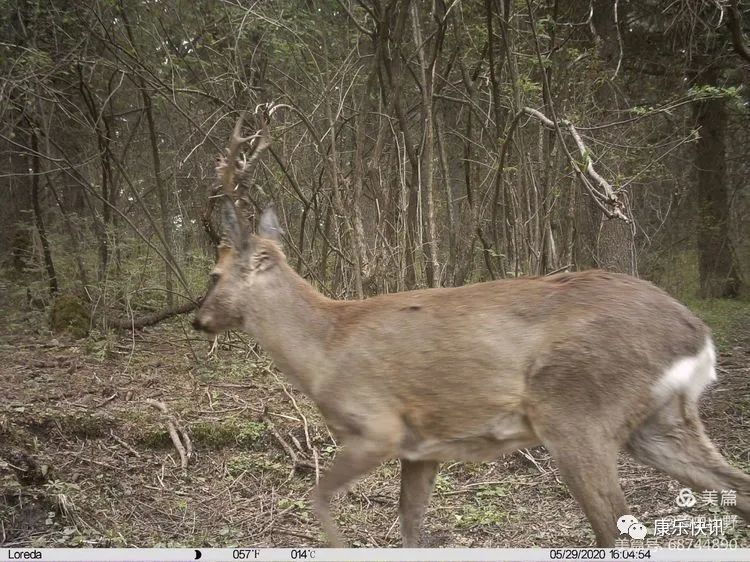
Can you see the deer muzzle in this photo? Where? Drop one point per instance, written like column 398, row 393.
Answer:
column 203, row 324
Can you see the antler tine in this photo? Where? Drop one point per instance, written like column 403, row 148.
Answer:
column 262, row 140
column 236, row 137
column 235, row 143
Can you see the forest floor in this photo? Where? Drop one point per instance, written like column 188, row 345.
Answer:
column 86, row 461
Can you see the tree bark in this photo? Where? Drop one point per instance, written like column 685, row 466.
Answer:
column 73, row 234
column 606, row 244
column 38, row 218
column 166, row 217
column 388, row 39
column 719, row 276
column 426, row 161
column 99, row 126
column 450, row 205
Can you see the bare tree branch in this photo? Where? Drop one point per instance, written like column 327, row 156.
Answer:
column 734, row 24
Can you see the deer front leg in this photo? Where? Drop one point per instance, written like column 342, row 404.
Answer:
column 417, row 482
column 356, row 458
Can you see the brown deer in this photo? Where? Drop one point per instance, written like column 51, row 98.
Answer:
column 585, row 364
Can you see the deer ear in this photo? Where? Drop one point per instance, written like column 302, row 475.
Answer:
column 230, row 224
column 269, row 225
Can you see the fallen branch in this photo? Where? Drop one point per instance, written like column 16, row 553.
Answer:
column 296, row 461
column 125, row 444
column 185, row 450
column 153, row 318
column 290, row 532
column 279, row 515
column 308, row 441
column 529, row 457
column 106, row 401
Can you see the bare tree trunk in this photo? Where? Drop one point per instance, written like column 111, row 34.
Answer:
column 427, row 156
column 608, row 244
column 450, row 206
column 358, row 238
column 719, row 276
column 73, row 234
column 388, row 42
column 103, row 228
column 498, row 219
column 511, row 217
column 326, row 247
column 166, row 219
column 161, row 188
column 469, row 175
column 38, row 218
column 338, row 206
column 547, row 254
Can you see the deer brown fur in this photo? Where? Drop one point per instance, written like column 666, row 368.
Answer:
column 585, row 364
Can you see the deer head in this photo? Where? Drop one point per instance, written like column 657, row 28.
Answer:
column 245, row 262
column 244, row 265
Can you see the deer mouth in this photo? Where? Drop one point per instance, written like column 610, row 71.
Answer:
column 202, row 326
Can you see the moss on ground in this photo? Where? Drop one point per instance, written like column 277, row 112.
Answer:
column 70, row 315
column 76, row 424
column 233, row 431
column 259, row 463
column 212, row 434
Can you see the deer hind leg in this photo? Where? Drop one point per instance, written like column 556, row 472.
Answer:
column 587, row 460
column 674, row 441
column 417, row 483
column 358, row 456
column 584, row 445
column 589, row 468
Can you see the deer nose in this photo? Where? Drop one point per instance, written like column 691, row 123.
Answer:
column 197, row 324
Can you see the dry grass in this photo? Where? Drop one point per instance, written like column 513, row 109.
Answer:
column 95, row 466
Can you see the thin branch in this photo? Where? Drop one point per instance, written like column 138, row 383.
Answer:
column 606, row 199
column 734, row 24
column 184, row 450
column 359, row 26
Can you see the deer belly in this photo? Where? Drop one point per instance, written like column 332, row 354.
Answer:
column 505, row 435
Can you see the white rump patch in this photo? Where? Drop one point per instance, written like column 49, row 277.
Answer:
column 689, row 375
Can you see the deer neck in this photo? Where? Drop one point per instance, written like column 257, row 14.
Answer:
column 291, row 321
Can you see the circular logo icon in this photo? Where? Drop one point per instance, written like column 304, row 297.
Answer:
column 624, row 523
column 637, row 531
column 685, row 498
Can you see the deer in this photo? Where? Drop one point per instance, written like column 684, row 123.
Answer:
column 586, row 363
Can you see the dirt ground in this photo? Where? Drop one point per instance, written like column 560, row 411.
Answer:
column 86, row 461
